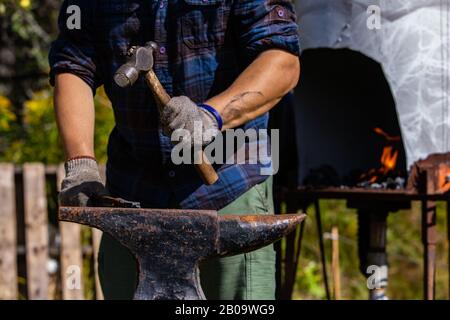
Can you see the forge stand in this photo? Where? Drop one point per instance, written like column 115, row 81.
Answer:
column 372, row 240
column 428, row 182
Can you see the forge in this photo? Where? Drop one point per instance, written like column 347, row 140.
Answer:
column 349, row 145
column 346, row 123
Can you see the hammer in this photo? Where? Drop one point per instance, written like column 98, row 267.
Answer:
column 140, row 60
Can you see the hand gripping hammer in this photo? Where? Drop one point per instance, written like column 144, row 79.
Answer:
column 140, row 60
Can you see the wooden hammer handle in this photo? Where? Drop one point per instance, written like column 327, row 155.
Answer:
column 161, row 95
column 205, row 169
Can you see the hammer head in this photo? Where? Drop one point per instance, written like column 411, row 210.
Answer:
column 140, row 59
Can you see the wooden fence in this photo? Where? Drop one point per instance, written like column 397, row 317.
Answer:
column 41, row 258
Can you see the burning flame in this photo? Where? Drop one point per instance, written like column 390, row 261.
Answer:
column 386, row 136
column 388, row 159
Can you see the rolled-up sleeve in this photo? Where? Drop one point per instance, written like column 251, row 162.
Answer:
column 266, row 24
column 74, row 49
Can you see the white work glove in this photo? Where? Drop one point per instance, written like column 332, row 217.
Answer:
column 81, row 184
column 182, row 113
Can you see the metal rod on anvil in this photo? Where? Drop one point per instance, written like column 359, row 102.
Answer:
column 168, row 244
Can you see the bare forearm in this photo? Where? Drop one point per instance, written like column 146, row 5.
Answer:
column 75, row 115
column 260, row 87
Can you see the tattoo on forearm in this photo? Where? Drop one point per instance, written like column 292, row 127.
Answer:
column 237, row 105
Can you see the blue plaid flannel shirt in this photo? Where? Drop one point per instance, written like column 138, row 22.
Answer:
column 203, row 47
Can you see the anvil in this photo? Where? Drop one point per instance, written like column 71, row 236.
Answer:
column 169, row 244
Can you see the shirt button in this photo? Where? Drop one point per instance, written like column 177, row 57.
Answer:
column 280, row 13
column 162, row 50
column 171, row 173
column 161, row 4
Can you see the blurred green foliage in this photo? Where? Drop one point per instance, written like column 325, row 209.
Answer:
column 28, row 27
column 28, row 130
column 37, row 139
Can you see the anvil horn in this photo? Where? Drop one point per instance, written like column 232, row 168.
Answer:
column 245, row 233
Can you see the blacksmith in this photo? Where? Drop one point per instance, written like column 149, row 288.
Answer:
column 226, row 63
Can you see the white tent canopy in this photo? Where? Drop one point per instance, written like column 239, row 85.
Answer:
column 412, row 45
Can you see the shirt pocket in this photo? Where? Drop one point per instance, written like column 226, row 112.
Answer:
column 202, row 23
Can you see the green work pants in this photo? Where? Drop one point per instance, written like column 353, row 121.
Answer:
column 241, row 277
